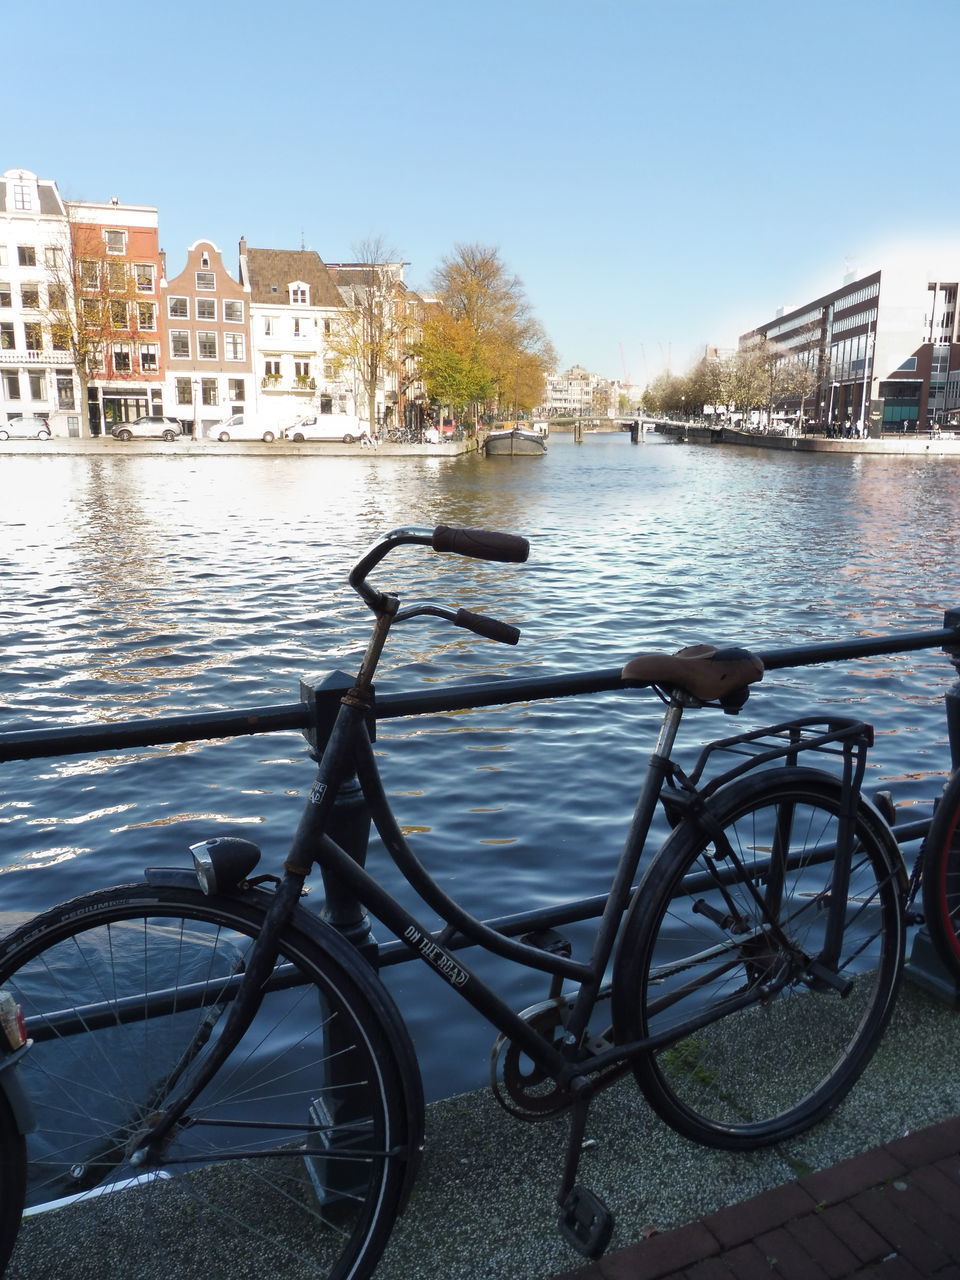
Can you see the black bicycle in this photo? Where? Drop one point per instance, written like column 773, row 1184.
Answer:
column 219, row 1053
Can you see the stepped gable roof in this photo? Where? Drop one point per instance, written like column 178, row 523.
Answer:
column 271, row 271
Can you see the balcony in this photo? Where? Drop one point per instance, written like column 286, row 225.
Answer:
column 274, row 382
column 13, row 355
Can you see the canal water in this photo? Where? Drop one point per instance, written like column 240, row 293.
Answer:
column 147, row 586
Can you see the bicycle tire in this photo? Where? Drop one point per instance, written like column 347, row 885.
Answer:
column 327, row 1058
column 13, row 1176
column 782, row 1048
column 941, row 877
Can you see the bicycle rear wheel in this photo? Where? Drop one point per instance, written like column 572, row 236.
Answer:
column 294, row 1159
column 941, row 877
column 722, row 945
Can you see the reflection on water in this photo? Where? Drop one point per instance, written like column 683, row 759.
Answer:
column 160, row 585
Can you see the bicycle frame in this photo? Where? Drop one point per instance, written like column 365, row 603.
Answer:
column 576, row 1069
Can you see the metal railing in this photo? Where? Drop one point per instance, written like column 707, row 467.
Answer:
column 313, row 715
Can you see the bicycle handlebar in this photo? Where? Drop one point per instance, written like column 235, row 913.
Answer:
column 482, row 544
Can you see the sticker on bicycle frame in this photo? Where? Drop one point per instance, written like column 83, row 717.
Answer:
column 436, row 957
column 318, row 792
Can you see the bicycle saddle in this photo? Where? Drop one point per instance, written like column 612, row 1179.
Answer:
column 703, row 671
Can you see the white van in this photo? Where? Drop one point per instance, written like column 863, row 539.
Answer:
column 240, row 427
column 346, row 427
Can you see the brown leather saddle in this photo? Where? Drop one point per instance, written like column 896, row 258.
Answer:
column 703, row 671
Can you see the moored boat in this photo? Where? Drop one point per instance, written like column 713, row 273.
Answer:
column 515, row 441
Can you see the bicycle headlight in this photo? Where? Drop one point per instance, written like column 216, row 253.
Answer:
column 222, row 863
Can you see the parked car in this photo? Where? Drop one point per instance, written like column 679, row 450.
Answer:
column 148, row 428
column 25, row 427
column 329, row 426
column 241, row 427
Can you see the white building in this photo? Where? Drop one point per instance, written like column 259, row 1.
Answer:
column 295, row 309
column 36, row 363
column 579, row 394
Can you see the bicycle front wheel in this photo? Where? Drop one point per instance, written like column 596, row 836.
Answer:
column 292, row 1161
column 941, row 877
column 726, row 949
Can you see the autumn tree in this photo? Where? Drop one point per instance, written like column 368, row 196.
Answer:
column 496, row 343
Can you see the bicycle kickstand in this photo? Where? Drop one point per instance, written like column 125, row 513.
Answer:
column 585, row 1221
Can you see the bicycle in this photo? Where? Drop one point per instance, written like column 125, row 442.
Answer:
column 204, row 1042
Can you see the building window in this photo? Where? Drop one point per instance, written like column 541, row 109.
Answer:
column 233, row 346
column 117, row 277
column 178, row 308
column 115, row 241
column 26, row 255
column 89, row 274
column 149, row 357
column 34, row 336
column 57, row 297
column 6, row 335
column 327, row 328
column 301, row 369
column 6, row 295
column 236, row 387
column 271, row 369
column 296, row 329
column 144, row 274
column 209, row 393
column 3, row 255
column 90, row 311
column 60, row 337
column 268, row 326
column 53, row 255
column 207, row 346
column 30, row 295
column 119, row 319
column 65, row 397
column 233, row 311
column 147, row 315
column 11, row 386
column 179, row 344
column 121, row 357
column 206, row 280
column 38, row 386
column 21, row 196
column 184, row 391
column 206, row 308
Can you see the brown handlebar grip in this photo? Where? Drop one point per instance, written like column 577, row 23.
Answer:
column 482, row 544
column 490, row 628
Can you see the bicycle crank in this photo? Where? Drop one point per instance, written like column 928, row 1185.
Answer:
column 518, row 1084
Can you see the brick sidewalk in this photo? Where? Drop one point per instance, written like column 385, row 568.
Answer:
column 892, row 1213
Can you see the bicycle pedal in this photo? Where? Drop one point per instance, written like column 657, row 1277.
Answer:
column 585, row 1222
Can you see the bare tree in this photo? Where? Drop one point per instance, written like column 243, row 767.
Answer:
column 371, row 336
column 93, row 306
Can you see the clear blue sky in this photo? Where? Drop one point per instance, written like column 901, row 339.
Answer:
column 659, row 175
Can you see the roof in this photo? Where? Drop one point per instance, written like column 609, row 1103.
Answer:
column 271, row 271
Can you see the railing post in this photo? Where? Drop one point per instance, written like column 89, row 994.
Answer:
column 952, row 697
column 925, row 967
column 350, row 822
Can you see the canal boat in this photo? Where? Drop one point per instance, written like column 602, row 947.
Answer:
column 515, row 440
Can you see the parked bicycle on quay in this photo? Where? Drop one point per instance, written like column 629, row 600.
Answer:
column 227, row 1058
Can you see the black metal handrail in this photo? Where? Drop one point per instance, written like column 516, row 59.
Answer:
column 30, row 744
